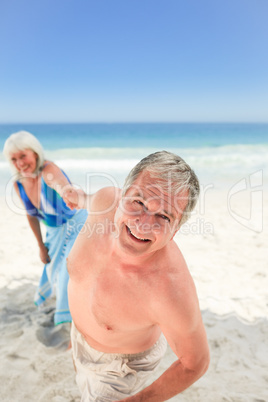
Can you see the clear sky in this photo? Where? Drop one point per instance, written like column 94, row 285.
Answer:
column 133, row 60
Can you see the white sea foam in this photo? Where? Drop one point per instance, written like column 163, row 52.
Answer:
column 217, row 165
column 230, row 155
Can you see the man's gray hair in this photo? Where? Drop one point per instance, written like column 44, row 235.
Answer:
column 19, row 142
column 172, row 174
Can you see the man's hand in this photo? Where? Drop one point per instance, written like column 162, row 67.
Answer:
column 74, row 198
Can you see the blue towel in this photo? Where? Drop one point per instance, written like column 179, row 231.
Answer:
column 55, row 277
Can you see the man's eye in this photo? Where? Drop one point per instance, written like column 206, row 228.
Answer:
column 139, row 202
column 166, row 218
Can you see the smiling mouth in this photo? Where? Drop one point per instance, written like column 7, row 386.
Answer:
column 136, row 237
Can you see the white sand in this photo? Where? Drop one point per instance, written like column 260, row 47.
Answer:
column 229, row 267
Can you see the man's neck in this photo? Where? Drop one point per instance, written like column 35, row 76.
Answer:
column 129, row 260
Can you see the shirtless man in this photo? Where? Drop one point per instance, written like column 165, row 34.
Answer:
column 129, row 285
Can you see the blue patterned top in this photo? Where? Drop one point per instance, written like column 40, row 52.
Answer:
column 53, row 210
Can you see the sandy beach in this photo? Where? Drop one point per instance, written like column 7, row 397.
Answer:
column 228, row 262
column 102, row 85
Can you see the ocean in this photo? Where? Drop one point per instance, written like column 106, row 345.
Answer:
column 95, row 155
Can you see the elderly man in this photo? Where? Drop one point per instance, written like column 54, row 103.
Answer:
column 130, row 289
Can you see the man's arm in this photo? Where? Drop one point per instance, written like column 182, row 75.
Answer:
column 100, row 203
column 192, row 364
column 76, row 198
column 182, row 325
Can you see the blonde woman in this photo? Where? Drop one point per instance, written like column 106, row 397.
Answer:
column 40, row 184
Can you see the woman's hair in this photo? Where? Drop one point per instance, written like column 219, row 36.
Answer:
column 172, row 174
column 19, row 142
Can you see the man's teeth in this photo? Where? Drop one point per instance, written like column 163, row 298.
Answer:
column 139, row 238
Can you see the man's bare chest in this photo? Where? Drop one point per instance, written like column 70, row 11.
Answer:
column 120, row 301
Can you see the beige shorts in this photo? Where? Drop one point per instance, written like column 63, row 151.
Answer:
column 103, row 377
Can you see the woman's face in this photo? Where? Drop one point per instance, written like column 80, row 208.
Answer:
column 24, row 161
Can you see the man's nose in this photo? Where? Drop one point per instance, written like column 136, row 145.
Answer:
column 145, row 218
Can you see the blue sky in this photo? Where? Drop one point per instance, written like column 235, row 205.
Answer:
column 133, row 60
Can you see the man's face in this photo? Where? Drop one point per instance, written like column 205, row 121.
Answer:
column 148, row 217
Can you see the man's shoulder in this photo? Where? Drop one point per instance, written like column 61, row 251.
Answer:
column 175, row 295
column 175, row 259
column 177, row 279
column 105, row 200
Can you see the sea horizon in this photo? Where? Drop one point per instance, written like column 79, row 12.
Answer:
column 124, row 134
column 220, row 153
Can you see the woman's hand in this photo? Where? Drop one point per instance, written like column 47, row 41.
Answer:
column 74, row 198
column 43, row 252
